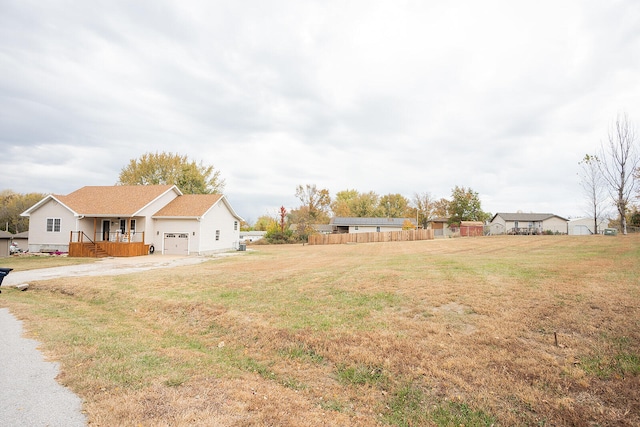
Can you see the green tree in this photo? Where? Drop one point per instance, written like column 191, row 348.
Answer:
column 465, row 206
column 13, row 204
column 367, row 205
column 395, row 206
column 169, row 168
column 264, row 223
column 344, row 202
column 351, row 203
column 634, row 216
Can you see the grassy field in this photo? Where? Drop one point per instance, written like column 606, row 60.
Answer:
column 30, row 262
column 513, row 330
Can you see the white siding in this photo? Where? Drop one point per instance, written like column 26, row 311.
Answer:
column 371, row 228
column 39, row 238
column 152, row 235
column 202, row 232
column 219, row 218
column 188, row 226
column 555, row 224
column 498, row 226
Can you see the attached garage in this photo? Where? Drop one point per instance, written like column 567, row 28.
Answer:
column 176, row 244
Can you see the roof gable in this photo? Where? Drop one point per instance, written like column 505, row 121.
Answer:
column 189, row 205
column 117, row 200
column 193, row 206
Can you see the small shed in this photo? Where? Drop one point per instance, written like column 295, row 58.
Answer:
column 471, row 228
column 22, row 240
column 440, row 226
column 5, row 242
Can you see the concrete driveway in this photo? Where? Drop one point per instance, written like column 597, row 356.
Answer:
column 107, row 267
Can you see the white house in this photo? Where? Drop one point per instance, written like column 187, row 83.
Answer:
column 251, row 235
column 369, row 225
column 127, row 220
column 527, row 223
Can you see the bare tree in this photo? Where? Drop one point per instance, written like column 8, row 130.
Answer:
column 619, row 160
column 315, row 202
column 423, row 203
column 594, row 186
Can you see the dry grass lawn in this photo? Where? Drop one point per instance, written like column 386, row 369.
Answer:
column 513, row 330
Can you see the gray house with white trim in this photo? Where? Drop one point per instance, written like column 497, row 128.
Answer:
column 527, row 223
column 369, row 225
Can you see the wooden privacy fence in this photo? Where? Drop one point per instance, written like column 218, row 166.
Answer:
column 383, row 236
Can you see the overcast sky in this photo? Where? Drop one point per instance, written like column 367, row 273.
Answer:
column 396, row 96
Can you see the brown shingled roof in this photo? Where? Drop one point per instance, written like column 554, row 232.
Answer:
column 117, row 200
column 189, row 205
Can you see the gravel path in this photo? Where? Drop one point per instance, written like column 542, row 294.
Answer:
column 29, row 393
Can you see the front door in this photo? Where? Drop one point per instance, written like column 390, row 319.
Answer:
column 106, row 224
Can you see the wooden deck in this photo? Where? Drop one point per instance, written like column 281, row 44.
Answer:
column 105, row 249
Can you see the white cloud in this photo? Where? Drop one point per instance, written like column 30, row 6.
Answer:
column 398, row 97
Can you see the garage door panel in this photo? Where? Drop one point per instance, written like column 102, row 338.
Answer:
column 176, row 244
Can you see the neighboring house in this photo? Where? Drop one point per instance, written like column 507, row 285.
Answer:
column 251, row 236
column 369, row 225
column 128, row 220
column 527, row 223
column 323, row 228
column 586, row 226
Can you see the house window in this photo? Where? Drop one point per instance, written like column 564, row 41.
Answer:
column 217, row 234
column 53, row 225
column 235, row 225
column 378, row 229
column 123, row 226
column 355, row 227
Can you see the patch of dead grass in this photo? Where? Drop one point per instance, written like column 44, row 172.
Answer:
column 391, row 333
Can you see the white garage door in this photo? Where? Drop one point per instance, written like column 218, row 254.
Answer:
column 176, row 244
column 581, row 230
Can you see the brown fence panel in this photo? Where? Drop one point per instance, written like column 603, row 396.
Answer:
column 384, row 236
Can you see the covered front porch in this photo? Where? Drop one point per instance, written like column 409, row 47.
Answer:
column 110, row 238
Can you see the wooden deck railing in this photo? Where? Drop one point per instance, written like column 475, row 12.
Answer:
column 81, row 245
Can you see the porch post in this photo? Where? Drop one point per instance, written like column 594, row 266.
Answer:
column 95, row 227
